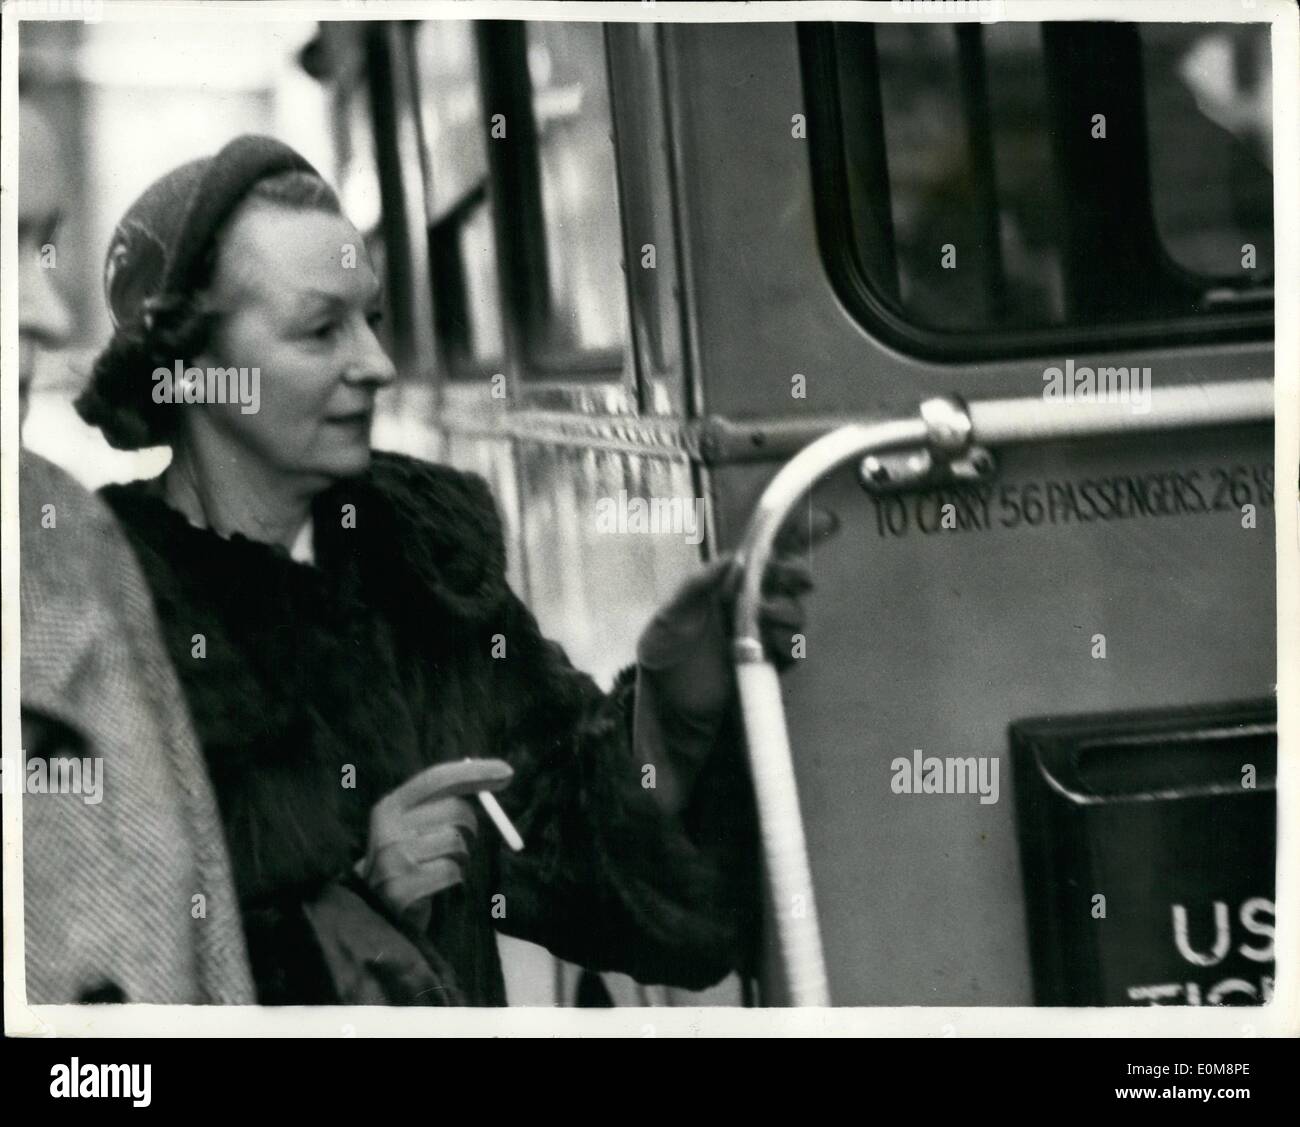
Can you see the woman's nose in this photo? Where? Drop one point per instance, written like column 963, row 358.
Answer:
column 371, row 365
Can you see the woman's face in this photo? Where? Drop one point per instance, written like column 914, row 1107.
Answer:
column 297, row 300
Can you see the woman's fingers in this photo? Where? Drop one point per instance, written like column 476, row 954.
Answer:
column 779, row 620
column 407, row 871
column 458, row 812
column 418, row 849
column 395, row 825
column 786, row 576
column 405, row 889
column 804, row 528
column 462, row 776
column 780, row 612
column 787, row 569
column 422, row 832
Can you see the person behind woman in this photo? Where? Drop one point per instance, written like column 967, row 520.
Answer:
column 355, row 661
column 127, row 891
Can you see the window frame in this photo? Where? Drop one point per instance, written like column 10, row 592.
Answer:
column 835, row 233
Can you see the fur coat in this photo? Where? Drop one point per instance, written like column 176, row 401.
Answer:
column 317, row 689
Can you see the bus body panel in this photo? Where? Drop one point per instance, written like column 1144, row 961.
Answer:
column 939, row 639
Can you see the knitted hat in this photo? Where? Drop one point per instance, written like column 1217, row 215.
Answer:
column 163, row 234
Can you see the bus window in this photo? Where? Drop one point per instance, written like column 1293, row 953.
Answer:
column 997, row 189
column 462, row 250
column 584, row 322
column 1209, row 117
column 342, row 108
column 358, row 173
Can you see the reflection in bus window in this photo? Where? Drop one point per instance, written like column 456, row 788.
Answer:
column 451, row 114
column 985, row 192
column 358, row 171
column 479, row 258
column 1210, row 120
column 462, row 252
column 586, row 298
column 358, row 179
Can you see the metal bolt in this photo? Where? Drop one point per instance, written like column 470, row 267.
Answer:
column 875, row 469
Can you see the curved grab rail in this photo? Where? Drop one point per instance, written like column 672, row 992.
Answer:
column 771, row 765
column 947, row 427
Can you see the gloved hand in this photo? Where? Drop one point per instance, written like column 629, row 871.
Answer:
column 421, row 834
column 685, row 677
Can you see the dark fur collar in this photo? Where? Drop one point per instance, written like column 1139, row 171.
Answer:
column 431, row 532
column 444, row 524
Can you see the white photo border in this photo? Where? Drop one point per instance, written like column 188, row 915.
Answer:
column 1280, row 1018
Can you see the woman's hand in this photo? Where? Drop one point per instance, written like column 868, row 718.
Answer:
column 685, row 679
column 421, row 834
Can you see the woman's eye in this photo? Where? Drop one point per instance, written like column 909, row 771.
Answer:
column 323, row 331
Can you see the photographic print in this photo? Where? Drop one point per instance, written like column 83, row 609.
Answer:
column 714, row 510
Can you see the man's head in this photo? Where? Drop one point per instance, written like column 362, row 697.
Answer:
column 43, row 318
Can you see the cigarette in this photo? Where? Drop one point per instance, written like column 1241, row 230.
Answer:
column 501, row 820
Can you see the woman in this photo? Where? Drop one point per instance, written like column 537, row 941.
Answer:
column 355, row 662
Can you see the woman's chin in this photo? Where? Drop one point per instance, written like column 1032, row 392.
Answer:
column 345, row 462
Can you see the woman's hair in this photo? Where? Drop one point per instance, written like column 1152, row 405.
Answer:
column 175, row 326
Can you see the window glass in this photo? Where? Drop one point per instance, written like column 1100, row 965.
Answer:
column 451, row 112
column 359, row 173
column 586, row 299
column 1210, row 120
column 462, row 250
column 941, row 235
column 946, row 244
column 478, row 254
column 358, row 180
column 983, row 192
